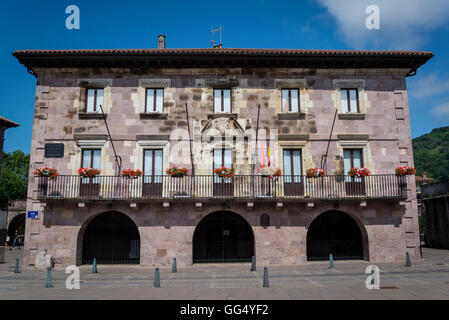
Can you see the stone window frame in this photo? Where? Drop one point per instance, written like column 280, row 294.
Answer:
column 152, row 83
column 84, row 85
column 356, row 144
column 358, row 84
column 220, row 145
column 92, row 144
column 221, row 83
column 292, row 144
column 303, row 97
column 142, row 145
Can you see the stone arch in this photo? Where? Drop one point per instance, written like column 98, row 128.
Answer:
column 16, row 223
column 223, row 236
column 117, row 228
column 341, row 233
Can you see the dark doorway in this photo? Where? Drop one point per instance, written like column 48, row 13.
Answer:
column 16, row 228
column 337, row 233
column 223, row 237
column 111, row 238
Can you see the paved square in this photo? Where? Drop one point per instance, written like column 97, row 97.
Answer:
column 425, row 279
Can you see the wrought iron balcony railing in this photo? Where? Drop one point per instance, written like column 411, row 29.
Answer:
column 213, row 187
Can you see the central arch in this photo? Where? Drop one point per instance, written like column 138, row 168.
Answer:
column 223, row 236
column 337, row 233
column 111, row 238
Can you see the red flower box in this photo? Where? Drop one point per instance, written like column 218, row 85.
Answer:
column 225, row 172
column 88, row 172
column 315, row 173
column 404, row 171
column 47, row 172
column 131, row 173
column 177, row 172
column 359, row 172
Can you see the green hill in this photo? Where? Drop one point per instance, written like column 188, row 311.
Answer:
column 431, row 154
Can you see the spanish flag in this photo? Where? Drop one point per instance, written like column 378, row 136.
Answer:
column 268, row 153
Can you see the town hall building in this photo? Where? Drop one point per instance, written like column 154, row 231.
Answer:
column 248, row 125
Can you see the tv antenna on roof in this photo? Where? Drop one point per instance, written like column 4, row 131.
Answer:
column 212, row 42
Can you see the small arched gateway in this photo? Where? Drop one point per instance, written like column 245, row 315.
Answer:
column 111, row 238
column 223, row 237
column 337, row 233
column 17, row 227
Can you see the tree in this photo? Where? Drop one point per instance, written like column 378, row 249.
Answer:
column 14, row 177
column 431, row 152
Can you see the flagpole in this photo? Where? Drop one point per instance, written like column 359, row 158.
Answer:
column 254, row 152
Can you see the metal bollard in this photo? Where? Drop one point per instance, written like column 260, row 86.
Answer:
column 48, row 280
column 16, row 268
column 408, row 263
column 253, row 263
column 173, row 266
column 331, row 261
column 266, row 283
column 94, row 266
column 157, row 279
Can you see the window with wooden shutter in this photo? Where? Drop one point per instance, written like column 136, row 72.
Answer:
column 349, row 101
column 154, row 101
column 222, row 100
column 94, row 100
column 290, row 100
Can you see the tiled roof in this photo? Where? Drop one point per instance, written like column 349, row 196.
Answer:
column 221, row 58
column 222, row 51
column 8, row 123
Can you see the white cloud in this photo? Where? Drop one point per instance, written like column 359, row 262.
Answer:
column 430, row 85
column 441, row 112
column 404, row 24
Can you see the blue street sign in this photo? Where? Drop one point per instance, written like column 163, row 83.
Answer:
column 33, row 214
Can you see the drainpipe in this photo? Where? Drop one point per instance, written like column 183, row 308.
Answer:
column 118, row 159
column 324, row 157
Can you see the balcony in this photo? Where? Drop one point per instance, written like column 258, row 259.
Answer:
column 250, row 188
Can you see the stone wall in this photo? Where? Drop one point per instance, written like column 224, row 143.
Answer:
column 168, row 233
column 383, row 132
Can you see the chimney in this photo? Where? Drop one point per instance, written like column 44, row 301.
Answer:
column 161, row 41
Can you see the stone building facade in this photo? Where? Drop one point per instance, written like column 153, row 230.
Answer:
column 243, row 220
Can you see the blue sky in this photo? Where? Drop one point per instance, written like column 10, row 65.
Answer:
column 308, row 24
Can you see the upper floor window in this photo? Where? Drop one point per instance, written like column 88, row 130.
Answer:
column 152, row 164
column 94, row 100
column 154, row 100
column 349, row 100
column 222, row 100
column 352, row 159
column 91, row 158
column 222, row 158
column 292, row 165
column 290, row 100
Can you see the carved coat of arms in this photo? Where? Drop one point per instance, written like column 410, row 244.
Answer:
column 221, row 124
